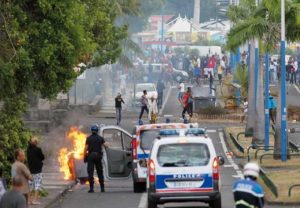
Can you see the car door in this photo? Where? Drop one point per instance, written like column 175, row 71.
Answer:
column 117, row 157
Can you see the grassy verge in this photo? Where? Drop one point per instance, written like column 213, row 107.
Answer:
column 283, row 174
column 283, row 180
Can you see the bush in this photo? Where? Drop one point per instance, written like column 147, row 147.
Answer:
column 213, row 110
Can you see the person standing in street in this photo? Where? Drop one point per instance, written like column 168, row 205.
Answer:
column 35, row 159
column 144, row 102
column 211, row 82
column 19, row 169
column 187, row 103
column 181, row 92
column 160, row 91
column 220, row 74
column 93, row 156
column 118, row 105
column 247, row 192
column 153, row 110
column 14, row 198
column 3, row 186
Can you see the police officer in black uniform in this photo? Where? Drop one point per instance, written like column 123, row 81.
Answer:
column 93, row 157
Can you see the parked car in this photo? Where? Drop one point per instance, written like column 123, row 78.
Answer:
column 151, row 92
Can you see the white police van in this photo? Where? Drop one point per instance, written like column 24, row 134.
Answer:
column 143, row 137
column 184, row 168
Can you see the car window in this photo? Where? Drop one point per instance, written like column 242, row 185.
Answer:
column 147, row 137
column 140, row 88
column 127, row 141
column 114, row 138
column 183, row 155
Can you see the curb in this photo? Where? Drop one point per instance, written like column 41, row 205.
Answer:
column 226, row 140
column 60, row 195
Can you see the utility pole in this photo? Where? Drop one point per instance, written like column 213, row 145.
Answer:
column 162, row 32
column 196, row 18
column 283, row 124
column 267, row 115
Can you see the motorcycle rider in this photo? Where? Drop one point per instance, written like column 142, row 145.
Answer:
column 247, row 192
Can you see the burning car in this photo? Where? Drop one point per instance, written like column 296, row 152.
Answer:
column 117, row 159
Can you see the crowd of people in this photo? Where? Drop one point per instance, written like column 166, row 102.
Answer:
column 26, row 178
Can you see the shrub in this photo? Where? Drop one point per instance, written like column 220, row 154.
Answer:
column 213, row 110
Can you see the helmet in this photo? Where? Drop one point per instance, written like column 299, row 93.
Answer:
column 251, row 169
column 94, row 128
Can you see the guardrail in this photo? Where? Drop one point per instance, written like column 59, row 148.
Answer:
column 291, row 187
column 249, row 134
column 268, row 154
column 294, row 147
column 256, row 147
column 269, row 183
column 236, row 143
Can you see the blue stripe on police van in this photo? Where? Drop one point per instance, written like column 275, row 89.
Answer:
column 160, row 180
column 142, row 156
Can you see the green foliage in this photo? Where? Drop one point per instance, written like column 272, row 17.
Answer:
column 44, row 40
column 241, row 75
column 213, row 110
column 256, row 25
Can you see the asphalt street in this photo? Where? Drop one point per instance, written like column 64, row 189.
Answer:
column 119, row 194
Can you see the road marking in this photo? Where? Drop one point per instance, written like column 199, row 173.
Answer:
column 165, row 101
column 297, row 88
column 143, row 201
column 229, row 158
column 211, row 131
column 227, row 166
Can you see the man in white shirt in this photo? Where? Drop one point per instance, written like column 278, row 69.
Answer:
column 272, row 72
column 181, row 91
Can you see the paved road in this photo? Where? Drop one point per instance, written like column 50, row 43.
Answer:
column 120, row 194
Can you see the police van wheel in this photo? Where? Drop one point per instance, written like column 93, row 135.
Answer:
column 138, row 187
column 151, row 204
column 217, row 203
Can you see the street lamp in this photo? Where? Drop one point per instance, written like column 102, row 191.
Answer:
column 283, row 110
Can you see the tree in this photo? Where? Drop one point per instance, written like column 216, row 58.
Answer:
column 44, row 40
column 237, row 14
column 264, row 23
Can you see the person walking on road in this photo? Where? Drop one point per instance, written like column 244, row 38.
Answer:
column 181, row 92
column 118, row 105
column 153, row 110
column 35, row 159
column 211, row 82
column 144, row 102
column 160, row 91
column 247, row 192
column 220, row 74
column 93, row 156
column 14, row 198
column 19, row 169
column 188, row 103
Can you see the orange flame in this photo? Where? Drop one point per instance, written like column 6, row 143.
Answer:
column 78, row 139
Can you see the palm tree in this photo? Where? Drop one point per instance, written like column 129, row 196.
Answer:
column 127, row 7
column 264, row 23
column 237, row 14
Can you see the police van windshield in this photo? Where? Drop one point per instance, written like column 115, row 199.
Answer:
column 147, row 137
column 183, row 155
